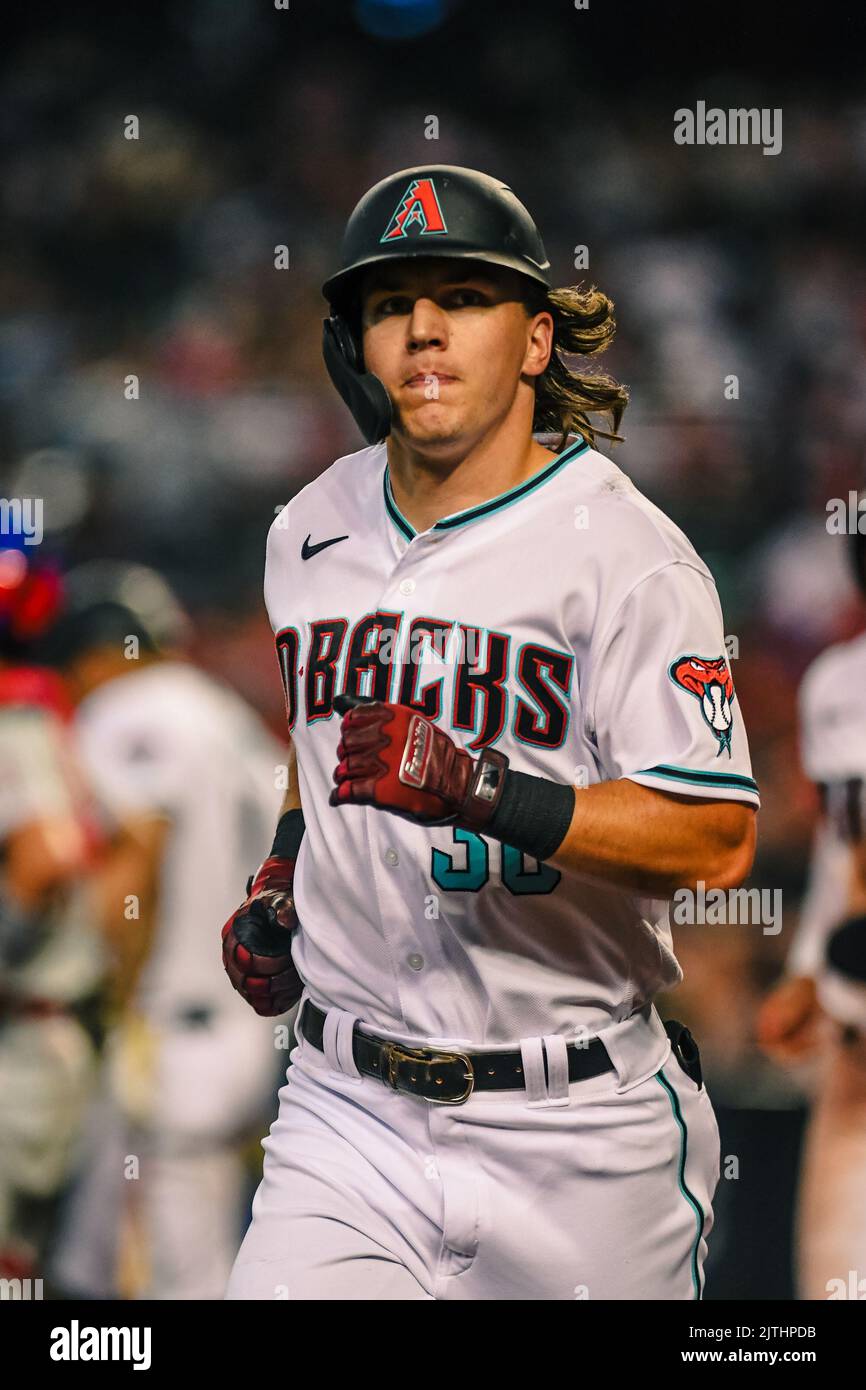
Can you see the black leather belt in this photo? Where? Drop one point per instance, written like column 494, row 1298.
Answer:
column 440, row 1075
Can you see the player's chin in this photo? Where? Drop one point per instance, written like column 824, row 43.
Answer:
column 432, row 422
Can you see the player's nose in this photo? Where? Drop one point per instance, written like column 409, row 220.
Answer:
column 427, row 324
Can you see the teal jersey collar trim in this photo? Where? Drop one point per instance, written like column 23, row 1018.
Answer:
column 496, row 504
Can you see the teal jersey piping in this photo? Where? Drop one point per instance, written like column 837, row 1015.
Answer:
column 496, row 504
column 699, row 778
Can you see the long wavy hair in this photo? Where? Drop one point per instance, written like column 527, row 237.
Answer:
column 583, row 326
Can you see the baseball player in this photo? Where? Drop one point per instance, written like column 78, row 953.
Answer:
column 188, row 779
column 51, row 958
column 819, row 1008
column 516, row 736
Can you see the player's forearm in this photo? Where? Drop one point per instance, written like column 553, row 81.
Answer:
column 292, row 798
column 291, row 802
column 42, row 856
column 654, row 843
column 126, row 891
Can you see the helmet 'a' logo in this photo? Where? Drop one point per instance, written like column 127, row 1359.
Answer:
column 418, row 211
column 709, row 680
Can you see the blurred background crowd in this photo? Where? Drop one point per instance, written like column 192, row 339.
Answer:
column 154, row 258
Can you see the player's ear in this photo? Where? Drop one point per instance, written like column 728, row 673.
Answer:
column 539, row 346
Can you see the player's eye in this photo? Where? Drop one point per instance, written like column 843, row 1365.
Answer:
column 394, row 304
column 469, row 296
column 461, row 297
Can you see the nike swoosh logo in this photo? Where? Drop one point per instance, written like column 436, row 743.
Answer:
column 308, row 551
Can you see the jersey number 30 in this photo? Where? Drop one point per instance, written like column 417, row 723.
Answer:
column 468, row 868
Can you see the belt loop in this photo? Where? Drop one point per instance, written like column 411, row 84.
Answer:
column 337, row 1043
column 557, row 1068
column 532, row 1056
column 638, row 1046
column 345, row 1038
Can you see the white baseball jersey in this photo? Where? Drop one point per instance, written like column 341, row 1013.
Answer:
column 46, row 1063
column 167, row 739
column 832, row 706
column 567, row 622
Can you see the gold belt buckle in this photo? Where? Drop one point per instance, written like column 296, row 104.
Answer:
column 395, row 1053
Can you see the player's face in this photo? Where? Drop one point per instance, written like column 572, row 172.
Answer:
column 451, row 341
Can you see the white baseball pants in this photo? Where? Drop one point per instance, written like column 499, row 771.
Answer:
column 594, row 1189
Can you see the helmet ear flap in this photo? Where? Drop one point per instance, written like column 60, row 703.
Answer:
column 346, row 342
column 363, row 393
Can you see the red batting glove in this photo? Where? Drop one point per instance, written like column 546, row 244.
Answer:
column 257, row 941
column 394, row 758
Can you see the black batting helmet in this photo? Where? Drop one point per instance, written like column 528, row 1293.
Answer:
column 435, row 210
column 106, row 601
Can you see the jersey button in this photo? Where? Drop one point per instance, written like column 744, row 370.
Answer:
column 407, row 586
column 391, row 857
column 416, row 961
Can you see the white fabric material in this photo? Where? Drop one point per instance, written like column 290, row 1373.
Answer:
column 186, row 1205
column 168, row 740
column 582, row 595
column 824, row 903
column 372, row 1194
column 830, row 1229
column 35, row 780
column 832, row 711
column 338, row 1031
column 556, row 1050
column 47, row 1069
column 40, row 780
column 532, row 1058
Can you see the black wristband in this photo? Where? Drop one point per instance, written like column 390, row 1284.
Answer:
column 290, row 832
column 533, row 814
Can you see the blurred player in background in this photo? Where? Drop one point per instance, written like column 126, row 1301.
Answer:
column 50, row 955
column 820, row 1006
column 188, row 778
